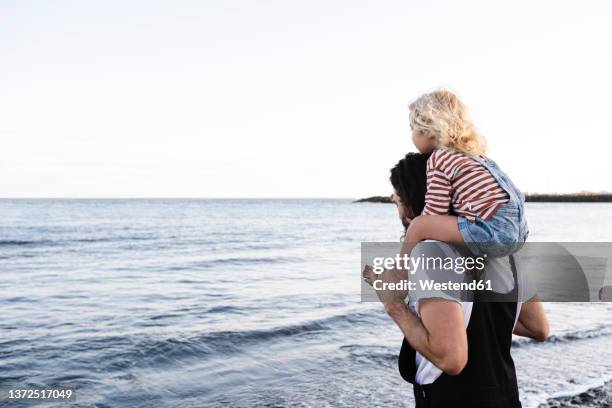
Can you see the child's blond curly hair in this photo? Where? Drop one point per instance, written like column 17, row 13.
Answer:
column 441, row 115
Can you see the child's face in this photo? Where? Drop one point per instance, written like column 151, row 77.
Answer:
column 422, row 142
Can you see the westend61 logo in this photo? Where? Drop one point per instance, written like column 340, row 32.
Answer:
column 411, row 264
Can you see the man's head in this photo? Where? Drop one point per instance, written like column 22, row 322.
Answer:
column 409, row 181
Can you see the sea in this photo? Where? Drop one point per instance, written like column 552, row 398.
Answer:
column 240, row 303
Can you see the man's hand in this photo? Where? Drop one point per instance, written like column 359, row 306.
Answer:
column 387, row 284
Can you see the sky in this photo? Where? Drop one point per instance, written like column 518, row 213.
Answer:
column 292, row 98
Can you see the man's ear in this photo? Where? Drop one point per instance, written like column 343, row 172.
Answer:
column 407, row 220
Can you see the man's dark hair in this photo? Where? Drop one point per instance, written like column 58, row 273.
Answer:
column 409, row 179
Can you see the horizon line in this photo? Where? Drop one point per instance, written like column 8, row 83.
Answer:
column 573, row 194
column 173, row 198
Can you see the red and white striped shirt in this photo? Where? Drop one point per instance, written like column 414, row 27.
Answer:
column 457, row 180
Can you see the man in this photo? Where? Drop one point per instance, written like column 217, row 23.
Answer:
column 456, row 353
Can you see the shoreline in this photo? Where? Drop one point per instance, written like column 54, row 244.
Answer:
column 530, row 198
column 593, row 397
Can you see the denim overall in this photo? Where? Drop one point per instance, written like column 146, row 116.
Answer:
column 505, row 232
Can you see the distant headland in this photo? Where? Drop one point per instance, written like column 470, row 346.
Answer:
column 583, row 197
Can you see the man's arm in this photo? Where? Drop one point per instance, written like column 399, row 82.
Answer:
column 439, row 335
column 532, row 321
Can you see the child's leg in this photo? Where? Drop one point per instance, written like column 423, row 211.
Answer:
column 439, row 227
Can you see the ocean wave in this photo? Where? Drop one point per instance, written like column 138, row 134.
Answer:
column 111, row 239
column 586, row 395
column 25, row 242
column 236, row 261
column 373, row 354
column 222, row 310
column 123, row 352
column 230, row 339
column 225, row 309
column 254, row 260
column 118, row 353
column 566, row 337
column 56, row 242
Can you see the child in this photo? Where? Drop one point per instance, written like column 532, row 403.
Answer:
column 489, row 208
